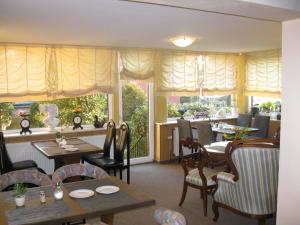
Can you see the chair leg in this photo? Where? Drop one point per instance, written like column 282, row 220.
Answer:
column 121, row 174
column 115, row 172
column 183, row 193
column 204, row 193
column 216, row 211
column 262, row 222
column 128, row 175
column 201, row 193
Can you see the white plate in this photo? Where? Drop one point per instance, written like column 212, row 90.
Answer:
column 71, row 149
column 81, row 193
column 67, row 146
column 107, row 189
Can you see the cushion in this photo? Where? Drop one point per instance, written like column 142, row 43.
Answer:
column 194, row 178
column 26, row 164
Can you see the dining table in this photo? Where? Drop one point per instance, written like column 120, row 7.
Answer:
column 62, row 155
column 69, row 209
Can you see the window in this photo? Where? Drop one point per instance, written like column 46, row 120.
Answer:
column 190, row 104
column 265, row 104
column 91, row 105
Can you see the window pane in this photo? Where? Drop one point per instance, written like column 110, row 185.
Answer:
column 90, row 106
column 191, row 104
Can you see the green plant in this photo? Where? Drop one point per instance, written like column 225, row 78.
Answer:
column 58, row 134
column 266, row 107
column 173, row 110
column 6, row 110
column 19, row 190
column 238, row 134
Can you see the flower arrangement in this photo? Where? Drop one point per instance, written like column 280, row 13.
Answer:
column 77, row 110
column 238, row 134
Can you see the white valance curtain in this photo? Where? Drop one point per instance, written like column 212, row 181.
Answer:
column 177, row 74
column 263, row 73
column 184, row 73
column 218, row 73
column 138, row 64
column 42, row 72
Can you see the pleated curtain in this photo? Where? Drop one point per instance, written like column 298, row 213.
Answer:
column 31, row 72
column 263, row 73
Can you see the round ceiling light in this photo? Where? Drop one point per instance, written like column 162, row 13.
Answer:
column 183, row 41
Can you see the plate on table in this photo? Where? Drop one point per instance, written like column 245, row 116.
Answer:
column 67, row 146
column 71, row 149
column 107, row 189
column 82, row 193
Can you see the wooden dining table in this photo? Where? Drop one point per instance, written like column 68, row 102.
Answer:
column 61, row 156
column 71, row 209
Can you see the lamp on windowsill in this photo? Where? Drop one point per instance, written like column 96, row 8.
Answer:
column 183, row 42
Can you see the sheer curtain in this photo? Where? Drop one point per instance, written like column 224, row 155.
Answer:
column 33, row 72
column 263, row 73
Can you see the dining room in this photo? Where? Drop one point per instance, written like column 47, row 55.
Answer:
column 148, row 112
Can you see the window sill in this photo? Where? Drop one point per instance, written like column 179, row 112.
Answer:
column 14, row 136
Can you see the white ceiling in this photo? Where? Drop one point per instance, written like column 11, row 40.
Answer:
column 134, row 24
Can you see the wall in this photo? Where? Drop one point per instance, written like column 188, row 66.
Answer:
column 289, row 185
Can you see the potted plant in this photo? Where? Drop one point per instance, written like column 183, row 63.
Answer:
column 58, row 136
column 19, row 194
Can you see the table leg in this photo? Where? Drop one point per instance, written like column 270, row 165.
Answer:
column 59, row 162
column 108, row 219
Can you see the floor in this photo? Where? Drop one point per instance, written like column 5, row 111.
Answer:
column 164, row 183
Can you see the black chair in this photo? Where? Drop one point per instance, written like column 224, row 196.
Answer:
column 262, row 123
column 110, row 137
column 6, row 165
column 244, row 120
column 117, row 163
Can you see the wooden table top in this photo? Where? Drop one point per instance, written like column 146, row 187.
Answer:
column 69, row 209
column 52, row 150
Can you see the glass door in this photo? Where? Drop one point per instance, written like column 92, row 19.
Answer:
column 136, row 107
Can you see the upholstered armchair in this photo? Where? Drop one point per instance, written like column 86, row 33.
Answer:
column 165, row 216
column 251, row 188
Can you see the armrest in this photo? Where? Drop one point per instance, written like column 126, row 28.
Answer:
column 225, row 177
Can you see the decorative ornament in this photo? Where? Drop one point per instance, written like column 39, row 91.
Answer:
column 52, row 112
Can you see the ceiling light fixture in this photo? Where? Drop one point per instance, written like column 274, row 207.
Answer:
column 183, row 42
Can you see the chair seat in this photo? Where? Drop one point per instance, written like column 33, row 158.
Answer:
column 217, row 146
column 26, row 164
column 105, row 162
column 92, row 156
column 193, row 176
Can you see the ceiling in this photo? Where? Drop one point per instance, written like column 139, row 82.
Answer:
column 135, row 24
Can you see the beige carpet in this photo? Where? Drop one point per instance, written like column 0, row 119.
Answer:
column 164, row 183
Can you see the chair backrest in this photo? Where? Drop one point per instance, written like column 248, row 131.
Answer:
column 123, row 141
column 244, row 120
column 29, row 176
column 205, row 133
column 168, row 217
column 184, row 129
column 262, row 123
column 109, row 138
column 78, row 169
column 254, row 164
column 5, row 162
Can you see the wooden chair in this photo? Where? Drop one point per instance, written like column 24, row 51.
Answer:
column 6, row 165
column 33, row 177
column 197, row 174
column 244, row 120
column 117, row 163
column 251, row 188
column 109, row 139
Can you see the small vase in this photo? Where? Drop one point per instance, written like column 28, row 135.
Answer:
column 20, row 201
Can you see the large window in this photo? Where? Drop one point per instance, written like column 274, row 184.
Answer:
column 90, row 106
column 215, row 105
column 266, row 105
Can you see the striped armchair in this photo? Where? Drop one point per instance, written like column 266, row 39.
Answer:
column 251, row 188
